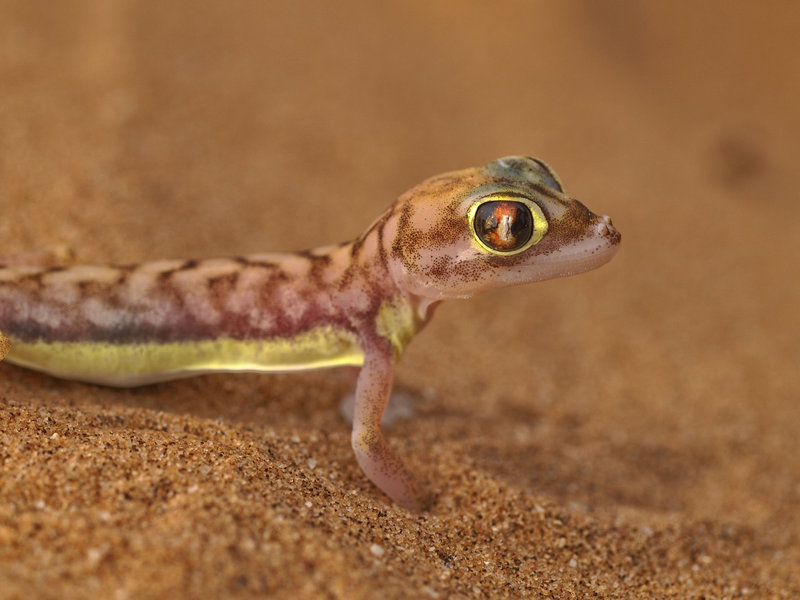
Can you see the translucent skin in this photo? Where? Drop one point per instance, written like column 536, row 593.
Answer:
column 358, row 303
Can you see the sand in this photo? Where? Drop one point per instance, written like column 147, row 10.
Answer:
column 629, row 433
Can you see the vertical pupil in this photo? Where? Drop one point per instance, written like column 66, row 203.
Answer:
column 504, row 225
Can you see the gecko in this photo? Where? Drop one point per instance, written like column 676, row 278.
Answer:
column 358, row 303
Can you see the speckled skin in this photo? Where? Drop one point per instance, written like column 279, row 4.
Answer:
column 356, row 303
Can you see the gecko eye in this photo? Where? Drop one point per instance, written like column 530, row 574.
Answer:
column 507, row 225
column 503, row 226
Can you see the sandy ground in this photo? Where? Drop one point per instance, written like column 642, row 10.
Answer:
column 632, row 432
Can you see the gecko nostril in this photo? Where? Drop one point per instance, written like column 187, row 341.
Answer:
column 607, row 227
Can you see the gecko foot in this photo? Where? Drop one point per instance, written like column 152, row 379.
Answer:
column 388, row 472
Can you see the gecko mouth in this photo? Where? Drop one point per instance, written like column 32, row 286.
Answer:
column 598, row 246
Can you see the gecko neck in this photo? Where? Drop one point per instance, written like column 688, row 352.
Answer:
column 363, row 288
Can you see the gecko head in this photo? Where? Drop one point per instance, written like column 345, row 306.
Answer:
column 506, row 223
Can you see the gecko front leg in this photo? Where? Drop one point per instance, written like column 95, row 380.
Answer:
column 377, row 459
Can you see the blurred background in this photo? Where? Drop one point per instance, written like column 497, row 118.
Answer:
column 665, row 381
column 201, row 113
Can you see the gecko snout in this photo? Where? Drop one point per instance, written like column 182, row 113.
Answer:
column 606, row 229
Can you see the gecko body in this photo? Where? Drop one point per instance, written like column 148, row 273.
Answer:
column 356, row 303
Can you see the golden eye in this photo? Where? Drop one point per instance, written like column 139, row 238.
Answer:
column 506, row 226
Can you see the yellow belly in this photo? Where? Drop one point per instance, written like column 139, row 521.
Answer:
column 127, row 365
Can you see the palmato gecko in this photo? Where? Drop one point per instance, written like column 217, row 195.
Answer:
column 357, row 303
